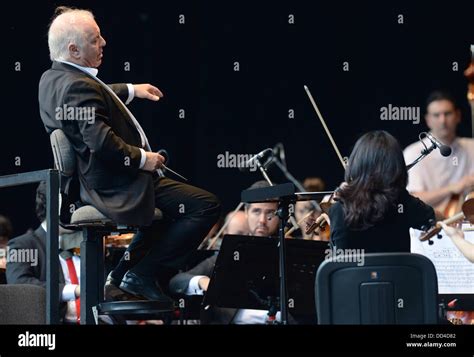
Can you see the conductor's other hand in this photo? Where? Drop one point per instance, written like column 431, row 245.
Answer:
column 153, row 161
column 147, row 91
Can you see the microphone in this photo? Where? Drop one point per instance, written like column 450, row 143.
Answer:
column 279, row 152
column 445, row 150
column 263, row 158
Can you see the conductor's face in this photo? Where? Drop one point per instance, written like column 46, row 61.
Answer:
column 261, row 219
column 89, row 52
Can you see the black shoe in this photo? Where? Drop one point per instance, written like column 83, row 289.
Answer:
column 111, row 280
column 113, row 293
column 143, row 287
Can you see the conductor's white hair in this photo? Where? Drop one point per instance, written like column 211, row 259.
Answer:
column 64, row 30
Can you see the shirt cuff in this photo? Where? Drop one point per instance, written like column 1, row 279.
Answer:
column 131, row 93
column 193, row 286
column 142, row 159
column 69, row 292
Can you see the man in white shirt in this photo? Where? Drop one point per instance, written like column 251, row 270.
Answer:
column 438, row 179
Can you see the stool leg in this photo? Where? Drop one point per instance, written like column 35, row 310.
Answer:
column 100, row 267
column 89, row 275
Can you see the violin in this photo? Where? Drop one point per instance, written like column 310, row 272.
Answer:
column 321, row 226
column 467, row 212
column 309, row 216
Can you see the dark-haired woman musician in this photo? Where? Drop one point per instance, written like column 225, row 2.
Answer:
column 374, row 211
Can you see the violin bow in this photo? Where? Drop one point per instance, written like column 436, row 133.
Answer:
column 294, row 228
column 316, row 109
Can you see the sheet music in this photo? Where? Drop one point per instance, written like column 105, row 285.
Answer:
column 455, row 272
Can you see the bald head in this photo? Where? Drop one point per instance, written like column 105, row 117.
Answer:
column 238, row 224
column 74, row 36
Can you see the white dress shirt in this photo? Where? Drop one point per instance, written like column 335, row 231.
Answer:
column 68, row 294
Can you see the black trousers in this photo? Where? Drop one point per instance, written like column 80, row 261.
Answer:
column 189, row 213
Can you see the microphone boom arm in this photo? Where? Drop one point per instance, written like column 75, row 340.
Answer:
column 423, row 154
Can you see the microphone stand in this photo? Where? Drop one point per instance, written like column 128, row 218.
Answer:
column 263, row 170
column 284, row 215
column 288, row 175
column 425, row 152
column 295, row 182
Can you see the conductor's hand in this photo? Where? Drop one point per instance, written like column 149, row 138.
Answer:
column 153, row 161
column 147, row 91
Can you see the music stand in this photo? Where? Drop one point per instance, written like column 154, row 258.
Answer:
column 285, row 195
column 246, row 274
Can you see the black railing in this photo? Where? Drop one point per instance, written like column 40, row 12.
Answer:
column 51, row 177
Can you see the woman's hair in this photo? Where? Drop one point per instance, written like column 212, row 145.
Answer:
column 376, row 175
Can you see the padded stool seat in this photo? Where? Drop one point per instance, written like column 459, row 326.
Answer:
column 90, row 215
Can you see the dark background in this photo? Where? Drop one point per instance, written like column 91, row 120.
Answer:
column 242, row 112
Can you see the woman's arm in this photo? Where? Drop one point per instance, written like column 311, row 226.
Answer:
column 457, row 236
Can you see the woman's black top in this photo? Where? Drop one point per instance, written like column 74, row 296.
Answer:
column 391, row 234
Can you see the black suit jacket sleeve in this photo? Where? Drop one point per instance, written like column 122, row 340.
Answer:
column 180, row 282
column 98, row 134
column 121, row 89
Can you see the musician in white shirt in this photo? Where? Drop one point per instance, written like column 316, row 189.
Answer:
column 436, row 179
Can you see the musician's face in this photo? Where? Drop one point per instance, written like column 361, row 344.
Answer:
column 442, row 118
column 301, row 209
column 261, row 219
